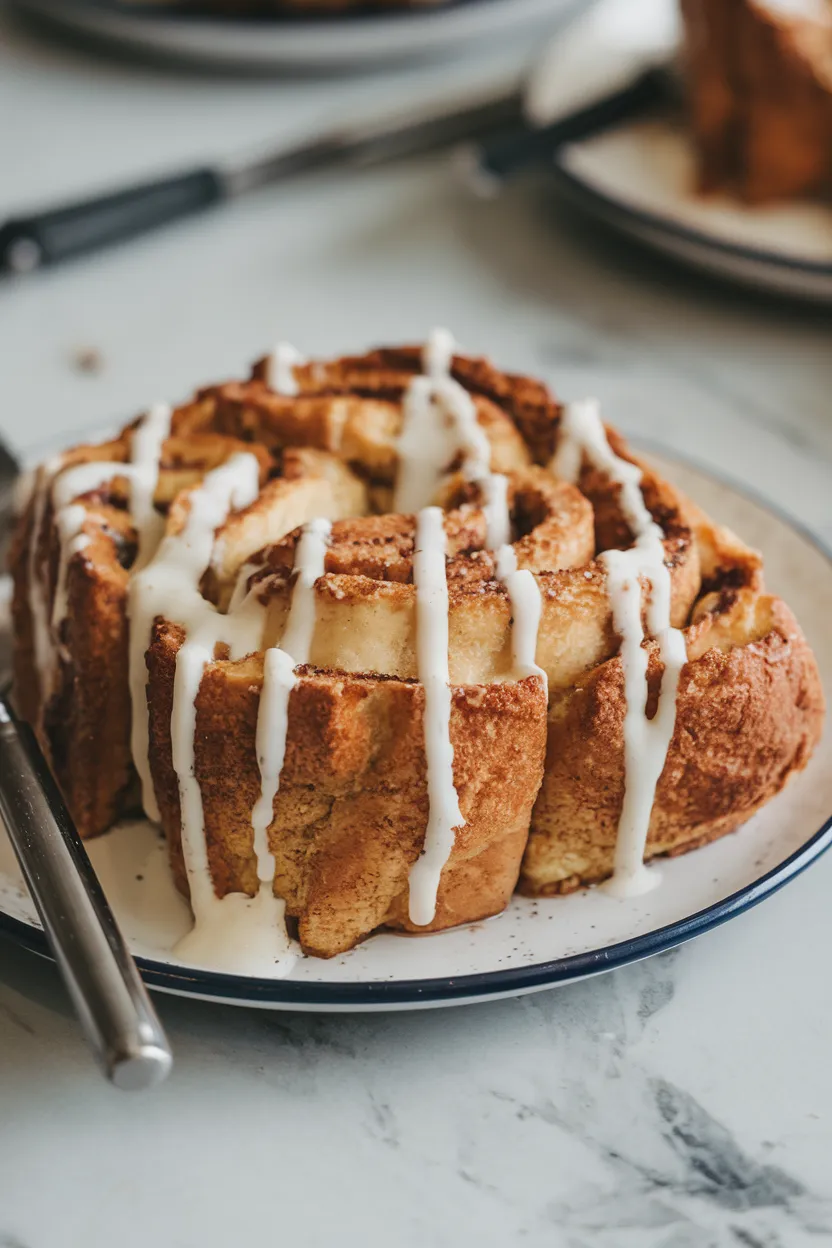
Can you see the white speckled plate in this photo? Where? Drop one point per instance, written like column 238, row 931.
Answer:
column 277, row 42
column 640, row 179
column 535, row 944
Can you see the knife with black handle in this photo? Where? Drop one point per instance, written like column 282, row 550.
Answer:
column 614, row 62
column 31, row 241
column 497, row 160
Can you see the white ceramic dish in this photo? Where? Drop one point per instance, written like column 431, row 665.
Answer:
column 295, row 41
column 640, row 179
column 535, row 944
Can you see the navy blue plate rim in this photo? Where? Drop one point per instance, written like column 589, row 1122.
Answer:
column 591, row 197
column 485, row 985
column 482, row 986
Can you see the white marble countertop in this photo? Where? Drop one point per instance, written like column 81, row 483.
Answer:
column 685, row 1102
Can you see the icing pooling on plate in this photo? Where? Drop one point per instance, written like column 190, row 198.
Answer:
column 646, row 742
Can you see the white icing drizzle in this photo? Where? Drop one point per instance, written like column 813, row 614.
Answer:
column 439, row 423
column 272, row 730
column 69, row 521
column 524, row 596
column 62, row 486
column 280, row 369
column 427, row 444
column 37, row 596
column 438, row 354
column 23, row 490
column 169, row 586
column 235, row 932
column 70, row 517
column 146, row 455
column 430, row 580
column 240, row 590
column 646, row 742
column 82, row 479
column 583, row 434
column 279, row 680
column 494, row 488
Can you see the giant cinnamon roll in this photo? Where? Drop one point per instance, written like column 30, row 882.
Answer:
column 760, row 96
column 381, row 637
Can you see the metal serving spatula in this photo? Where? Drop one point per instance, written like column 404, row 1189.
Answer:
column 117, row 1017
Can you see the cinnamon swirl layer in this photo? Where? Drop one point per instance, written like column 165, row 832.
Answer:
column 70, row 605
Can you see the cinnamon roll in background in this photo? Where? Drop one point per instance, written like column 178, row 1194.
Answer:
column 380, row 639
column 760, row 84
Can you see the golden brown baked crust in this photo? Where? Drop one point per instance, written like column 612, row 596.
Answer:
column 540, row 787
column 729, row 755
column 760, row 87
column 83, row 720
column 351, row 811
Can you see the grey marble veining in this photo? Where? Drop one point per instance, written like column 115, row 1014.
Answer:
column 685, row 1102
column 586, row 1116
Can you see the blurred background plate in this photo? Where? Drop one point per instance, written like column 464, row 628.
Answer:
column 641, row 180
column 290, row 41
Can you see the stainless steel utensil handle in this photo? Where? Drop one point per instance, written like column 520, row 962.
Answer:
column 111, row 1001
